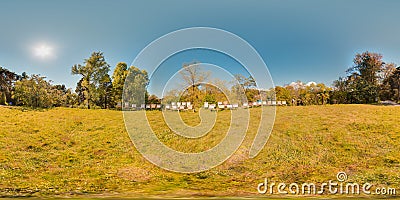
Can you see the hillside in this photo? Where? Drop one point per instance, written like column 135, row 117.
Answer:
column 73, row 152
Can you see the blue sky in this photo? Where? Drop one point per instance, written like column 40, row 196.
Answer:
column 310, row 40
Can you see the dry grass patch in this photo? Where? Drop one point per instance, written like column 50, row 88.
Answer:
column 72, row 152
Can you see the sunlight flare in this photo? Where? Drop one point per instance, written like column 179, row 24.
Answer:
column 43, row 51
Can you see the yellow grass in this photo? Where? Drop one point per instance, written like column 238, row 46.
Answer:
column 75, row 152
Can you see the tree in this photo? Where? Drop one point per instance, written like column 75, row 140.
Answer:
column 7, row 80
column 104, row 91
column 245, row 82
column 153, row 99
column 394, row 82
column 58, row 95
column 386, row 71
column 193, row 76
column 367, row 65
column 248, row 85
column 24, row 75
column 93, row 72
column 365, row 76
column 365, row 80
column 339, row 92
column 386, row 90
column 135, row 88
column 80, row 91
column 71, row 99
column 118, row 78
column 171, row 95
column 321, row 92
column 3, row 99
column 34, row 92
column 282, row 94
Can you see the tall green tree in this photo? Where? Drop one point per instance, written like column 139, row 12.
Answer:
column 93, row 72
column 7, row 80
column 135, row 89
column 364, row 76
column 394, row 82
column 105, row 92
column 339, row 93
column 80, row 92
column 118, row 80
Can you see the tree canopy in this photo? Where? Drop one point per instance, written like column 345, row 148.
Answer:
column 368, row 80
column 95, row 78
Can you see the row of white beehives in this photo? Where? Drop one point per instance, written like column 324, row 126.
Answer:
column 265, row 103
column 129, row 106
column 224, row 105
column 179, row 106
column 220, row 105
column 189, row 106
column 172, row 106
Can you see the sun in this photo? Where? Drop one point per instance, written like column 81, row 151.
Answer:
column 43, row 51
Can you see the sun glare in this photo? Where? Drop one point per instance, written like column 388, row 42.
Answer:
column 43, row 51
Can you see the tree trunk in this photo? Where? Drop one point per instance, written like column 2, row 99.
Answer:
column 193, row 95
column 88, row 100
column 105, row 101
column 398, row 93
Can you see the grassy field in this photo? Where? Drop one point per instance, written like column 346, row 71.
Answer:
column 88, row 153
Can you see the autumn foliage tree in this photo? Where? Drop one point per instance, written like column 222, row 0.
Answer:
column 369, row 80
column 394, row 83
column 193, row 76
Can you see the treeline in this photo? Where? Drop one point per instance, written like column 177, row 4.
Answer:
column 298, row 93
column 369, row 80
column 32, row 91
column 95, row 89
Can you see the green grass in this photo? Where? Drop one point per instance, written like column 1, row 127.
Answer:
column 87, row 153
